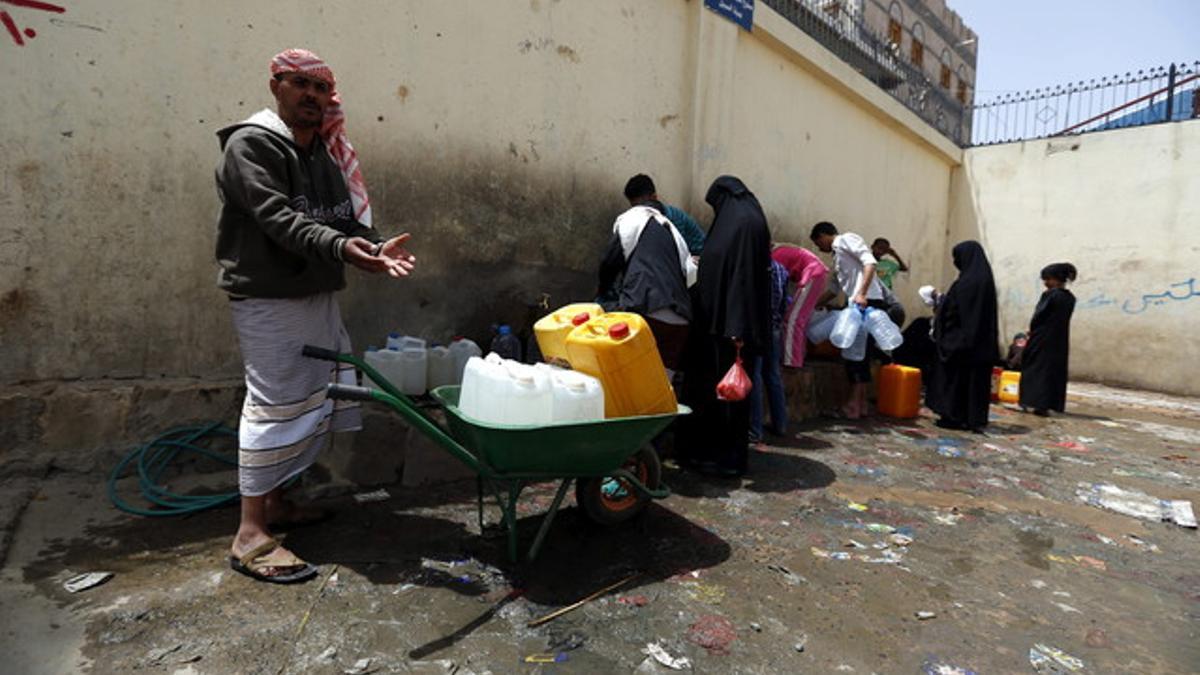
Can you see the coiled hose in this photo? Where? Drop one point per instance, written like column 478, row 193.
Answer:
column 154, row 457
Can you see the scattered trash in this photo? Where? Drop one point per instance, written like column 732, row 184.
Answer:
column 938, row 668
column 83, row 582
column 855, row 506
column 1046, row 659
column 1038, row 584
column 1085, row 440
column 1082, row 560
column 756, row 627
column 569, row 642
column 1072, row 446
column 947, row 519
column 1142, row 543
column 155, row 656
column 380, row 495
column 634, row 600
column 712, row 632
column 879, row 527
column 893, row 453
column 900, row 539
column 949, row 451
column 924, row 616
column 830, row 555
column 360, row 667
column 850, row 543
column 544, row 658
column 328, row 655
column 1098, row 639
column 789, row 576
column 709, row 594
column 801, row 643
column 1137, row 504
column 1067, row 608
column 1176, row 458
column 659, row 654
column 1110, row 424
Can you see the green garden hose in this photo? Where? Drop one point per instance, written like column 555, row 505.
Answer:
column 154, row 457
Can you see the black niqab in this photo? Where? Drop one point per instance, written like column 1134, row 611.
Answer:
column 967, row 328
column 733, row 284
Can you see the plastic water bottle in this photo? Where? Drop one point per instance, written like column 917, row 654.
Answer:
column 820, row 325
column 881, row 327
column 506, row 344
column 847, row 327
column 856, row 350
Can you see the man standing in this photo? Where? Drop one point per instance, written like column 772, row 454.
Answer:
column 645, row 268
column 642, row 188
column 294, row 212
column 854, row 268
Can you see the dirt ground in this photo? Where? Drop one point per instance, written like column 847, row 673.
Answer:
column 819, row 561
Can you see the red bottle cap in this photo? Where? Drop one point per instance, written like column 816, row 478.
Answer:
column 619, row 331
column 580, row 318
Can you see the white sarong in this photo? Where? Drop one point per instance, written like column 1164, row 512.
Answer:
column 286, row 417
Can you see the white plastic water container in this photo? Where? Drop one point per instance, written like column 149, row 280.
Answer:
column 440, row 367
column 576, row 397
column 528, row 397
column 883, row 329
column 847, row 327
column 394, row 341
column 820, row 325
column 412, row 369
column 462, row 350
column 857, row 350
column 374, row 358
column 484, row 389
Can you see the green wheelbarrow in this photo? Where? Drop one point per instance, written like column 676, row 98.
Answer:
column 615, row 469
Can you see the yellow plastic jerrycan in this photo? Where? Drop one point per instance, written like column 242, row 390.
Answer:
column 618, row 349
column 552, row 330
column 1010, row 386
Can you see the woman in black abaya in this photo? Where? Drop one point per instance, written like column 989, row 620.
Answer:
column 729, row 304
column 1044, row 361
column 967, row 338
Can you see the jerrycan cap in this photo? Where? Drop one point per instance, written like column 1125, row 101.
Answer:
column 580, row 319
column 619, row 330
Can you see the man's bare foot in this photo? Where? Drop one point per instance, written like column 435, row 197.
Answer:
column 266, row 562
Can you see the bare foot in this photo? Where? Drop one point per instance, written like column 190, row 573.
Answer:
column 242, row 546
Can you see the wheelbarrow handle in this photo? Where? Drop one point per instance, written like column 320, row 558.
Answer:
column 349, row 392
column 314, row 352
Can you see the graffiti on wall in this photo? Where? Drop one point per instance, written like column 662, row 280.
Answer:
column 18, row 34
column 1182, row 291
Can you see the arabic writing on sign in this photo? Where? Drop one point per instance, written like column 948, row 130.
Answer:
column 740, row 12
column 1180, row 292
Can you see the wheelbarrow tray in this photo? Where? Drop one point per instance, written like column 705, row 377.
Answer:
column 574, row 449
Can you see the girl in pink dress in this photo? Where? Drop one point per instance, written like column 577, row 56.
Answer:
column 809, row 274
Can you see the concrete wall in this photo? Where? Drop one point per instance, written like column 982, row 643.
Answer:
column 1123, row 206
column 498, row 133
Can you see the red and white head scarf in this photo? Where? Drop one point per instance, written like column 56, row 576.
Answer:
column 333, row 127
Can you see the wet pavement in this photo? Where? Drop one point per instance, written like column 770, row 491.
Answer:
column 880, row 546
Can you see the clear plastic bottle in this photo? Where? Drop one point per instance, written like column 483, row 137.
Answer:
column 881, row 327
column 847, row 327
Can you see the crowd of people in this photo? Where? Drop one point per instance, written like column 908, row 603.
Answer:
column 752, row 299
column 295, row 212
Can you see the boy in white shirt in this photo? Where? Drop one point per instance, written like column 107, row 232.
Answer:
column 854, row 270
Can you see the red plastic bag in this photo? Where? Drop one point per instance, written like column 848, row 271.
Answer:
column 736, row 385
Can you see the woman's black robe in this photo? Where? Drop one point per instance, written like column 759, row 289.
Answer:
column 1044, row 361
column 966, row 332
column 729, row 300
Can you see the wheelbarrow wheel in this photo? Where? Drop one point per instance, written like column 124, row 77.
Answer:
column 609, row 501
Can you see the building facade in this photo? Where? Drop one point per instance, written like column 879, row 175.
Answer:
column 930, row 36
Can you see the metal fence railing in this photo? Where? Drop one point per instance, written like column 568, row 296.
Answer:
column 1163, row 94
column 843, row 32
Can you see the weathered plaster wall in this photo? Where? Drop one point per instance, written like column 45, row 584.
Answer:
column 498, row 133
column 1123, row 206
